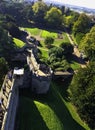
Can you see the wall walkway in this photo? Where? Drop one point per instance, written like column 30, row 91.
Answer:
column 9, row 97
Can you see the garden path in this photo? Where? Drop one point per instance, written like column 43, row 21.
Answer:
column 76, row 51
column 38, row 37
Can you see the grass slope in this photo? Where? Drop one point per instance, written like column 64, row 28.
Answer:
column 45, row 34
column 75, row 65
column 49, row 112
column 44, row 52
column 18, row 42
column 33, row 31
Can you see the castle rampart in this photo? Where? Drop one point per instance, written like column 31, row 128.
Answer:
column 10, row 96
column 38, row 81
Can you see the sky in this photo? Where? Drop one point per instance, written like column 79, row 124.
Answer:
column 83, row 3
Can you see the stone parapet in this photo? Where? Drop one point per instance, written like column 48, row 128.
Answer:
column 41, row 75
column 9, row 104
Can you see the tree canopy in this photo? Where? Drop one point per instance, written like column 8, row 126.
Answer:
column 67, row 48
column 71, row 19
column 57, row 60
column 13, row 29
column 49, row 41
column 88, row 44
column 54, row 17
column 39, row 9
column 83, row 84
column 83, row 93
column 82, row 25
column 6, row 44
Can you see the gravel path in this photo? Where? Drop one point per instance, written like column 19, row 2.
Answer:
column 76, row 51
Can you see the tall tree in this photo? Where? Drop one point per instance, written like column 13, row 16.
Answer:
column 27, row 12
column 87, row 44
column 70, row 19
column 49, row 41
column 57, row 60
column 63, row 9
column 39, row 9
column 82, row 25
column 67, row 48
column 6, row 44
column 54, row 17
column 13, row 29
column 83, row 93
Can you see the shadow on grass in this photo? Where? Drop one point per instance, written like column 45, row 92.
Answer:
column 74, row 58
column 62, row 86
column 55, row 99
column 40, row 26
column 29, row 116
column 62, row 112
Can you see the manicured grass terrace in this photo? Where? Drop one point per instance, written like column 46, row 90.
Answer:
column 44, row 52
column 45, row 34
column 33, row 31
column 75, row 65
column 18, row 43
column 49, row 112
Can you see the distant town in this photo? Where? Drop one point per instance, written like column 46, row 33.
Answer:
column 73, row 7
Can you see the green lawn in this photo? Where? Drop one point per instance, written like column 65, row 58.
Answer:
column 44, row 52
column 49, row 116
column 43, row 49
column 43, row 44
column 62, row 92
column 57, row 42
column 75, row 65
column 74, row 39
column 33, row 31
column 45, row 34
column 18, row 42
column 49, row 112
column 65, row 38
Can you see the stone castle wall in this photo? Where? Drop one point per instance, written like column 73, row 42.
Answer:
column 40, row 81
column 10, row 103
column 36, row 79
column 40, row 85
